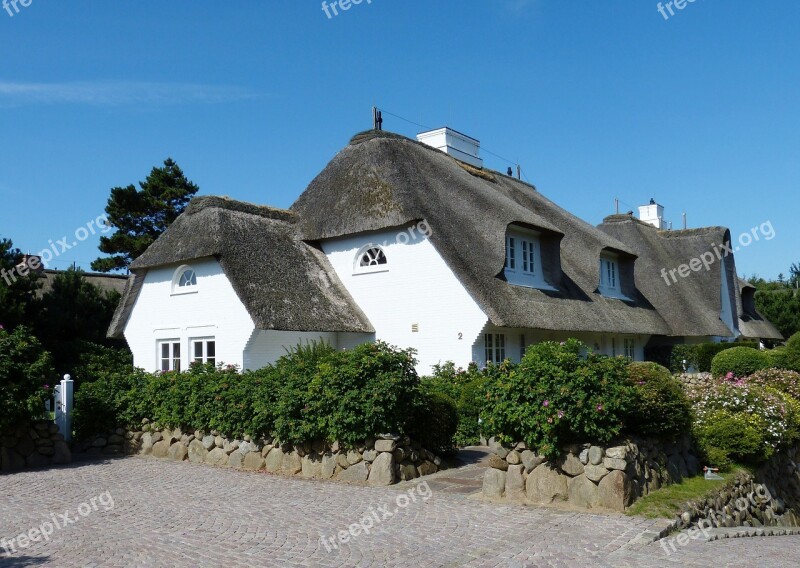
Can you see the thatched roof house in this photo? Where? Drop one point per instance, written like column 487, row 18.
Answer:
column 400, row 241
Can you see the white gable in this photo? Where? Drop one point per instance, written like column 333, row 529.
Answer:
column 212, row 310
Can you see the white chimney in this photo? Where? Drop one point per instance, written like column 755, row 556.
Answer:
column 653, row 213
column 452, row 142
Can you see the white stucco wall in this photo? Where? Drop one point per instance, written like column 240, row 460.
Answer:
column 214, row 310
column 417, row 287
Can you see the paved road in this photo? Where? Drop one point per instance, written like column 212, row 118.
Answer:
column 180, row 514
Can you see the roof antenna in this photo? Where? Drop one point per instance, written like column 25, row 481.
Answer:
column 519, row 172
column 377, row 119
column 684, row 220
column 616, row 205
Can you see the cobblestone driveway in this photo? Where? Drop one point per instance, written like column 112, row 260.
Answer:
column 180, row 514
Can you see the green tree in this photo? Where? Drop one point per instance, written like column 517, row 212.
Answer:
column 72, row 313
column 140, row 216
column 17, row 292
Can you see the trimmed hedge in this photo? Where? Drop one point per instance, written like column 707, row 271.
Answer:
column 662, row 408
column 698, row 356
column 741, row 361
column 313, row 393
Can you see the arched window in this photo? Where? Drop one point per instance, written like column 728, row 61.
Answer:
column 184, row 281
column 371, row 258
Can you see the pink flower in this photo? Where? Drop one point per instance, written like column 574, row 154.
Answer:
column 729, row 376
column 599, row 407
column 641, row 382
column 561, row 414
column 549, row 420
column 546, row 403
column 47, row 386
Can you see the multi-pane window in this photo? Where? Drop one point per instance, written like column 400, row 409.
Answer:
column 373, row 256
column 511, row 253
column 528, row 257
column 495, row 347
column 204, row 351
column 608, row 273
column 630, row 349
column 521, row 252
column 169, row 355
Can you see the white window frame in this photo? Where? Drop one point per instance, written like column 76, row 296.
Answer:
column 494, row 347
column 203, row 342
column 173, row 357
column 371, row 269
column 523, row 264
column 629, row 346
column 177, row 289
column 610, row 284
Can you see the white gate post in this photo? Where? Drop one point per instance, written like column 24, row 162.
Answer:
column 64, row 393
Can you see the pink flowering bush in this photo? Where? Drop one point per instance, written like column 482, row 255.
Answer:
column 741, row 420
column 785, row 381
column 560, row 393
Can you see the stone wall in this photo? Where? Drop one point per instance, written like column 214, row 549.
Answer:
column 382, row 461
column 769, row 498
column 31, row 446
column 587, row 476
column 695, row 379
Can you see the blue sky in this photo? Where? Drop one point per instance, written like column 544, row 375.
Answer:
column 596, row 100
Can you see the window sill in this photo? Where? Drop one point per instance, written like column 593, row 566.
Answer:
column 613, row 294
column 186, row 293
column 376, row 271
column 516, row 280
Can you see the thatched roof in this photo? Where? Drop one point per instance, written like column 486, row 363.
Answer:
column 382, row 180
column 105, row 282
column 692, row 305
column 284, row 283
column 751, row 323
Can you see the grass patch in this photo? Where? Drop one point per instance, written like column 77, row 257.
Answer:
column 668, row 501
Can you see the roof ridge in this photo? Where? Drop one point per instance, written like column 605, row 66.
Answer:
column 203, row 202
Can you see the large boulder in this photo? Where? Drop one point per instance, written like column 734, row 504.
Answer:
column 274, row 460
column 595, row 455
column 328, row 466
column 494, row 483
column 356, row 473
column 546, row 484
column 595, row 472
column 615, row 491
column 197, row 451
column 253, row 461
column 531, row 460
column 571, row 465
column 217, row 456
column 385, row 445
column 582, row 492
column 177, row 451
column 382, row 471
column 161, row 449
column 236, row 460
column 291, row 463
column 515, row 484
column 311, row 467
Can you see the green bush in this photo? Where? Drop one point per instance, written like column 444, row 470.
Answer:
column 435, row 421
column 705, row 352
column 661, row 407
column 467, row 388
column 778, row 358
column 793, row 353
column 313, row 392
column 26, row 378
column 730, row 437
column 560, row 393
column 740, row 361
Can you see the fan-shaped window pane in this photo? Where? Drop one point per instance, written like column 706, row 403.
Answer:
column 188, row 278
column 372, row 257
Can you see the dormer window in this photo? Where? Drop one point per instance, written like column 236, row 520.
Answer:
column 524, row 259
column 371, row 258
column 611, row 277
column 184, row 281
